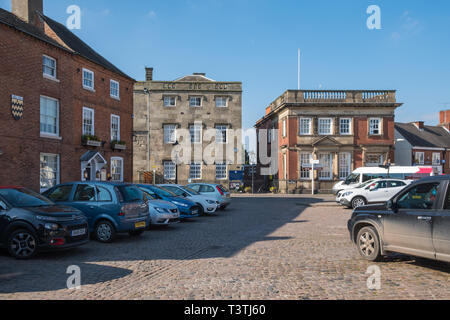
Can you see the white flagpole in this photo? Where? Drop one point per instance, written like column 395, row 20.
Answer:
column 298, row 86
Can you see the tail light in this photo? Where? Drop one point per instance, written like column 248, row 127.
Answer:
column 220, row 191
column 121, row 214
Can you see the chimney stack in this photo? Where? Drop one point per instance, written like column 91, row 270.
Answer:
column 148, row 74
column 419, row 124
column 26, row 10
column 444, row 119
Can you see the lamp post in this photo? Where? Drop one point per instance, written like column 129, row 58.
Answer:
column 176, row 162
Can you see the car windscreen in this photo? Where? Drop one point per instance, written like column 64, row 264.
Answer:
column 151, row 196
column 23, row 198
column 351, row 179
column 164, row 192
column 130, row 193
column 192, row 191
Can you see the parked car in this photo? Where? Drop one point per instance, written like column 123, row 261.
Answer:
column 30, row 223
column 415, row 222
column 110, row 208
column 207, row 205
column 162, row 213
column 379, row 191
column 364, row 174
column 214, row 191
column 187, row 208
column 361, row 185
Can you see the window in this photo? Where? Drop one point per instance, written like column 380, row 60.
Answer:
column 88, row 121
column 221, row 171
column 49, row 116
column 115, row 128
column 170, row 101
column 420, row 157
column 284, row 166
column 305, row 171
column 170, row 133
column 396, row 184
column 195, row 171
column 305, row 126
column 221, row 133
column 60, row 194
column 49, row 67
column 207, row 189
column 103, row 195
column 196, row 133
column 88, row 79
column 195, row 101
column 374, row 126
column 221, row 102
column 117, row 169
column 421, row 197
column 114, row 89
column 49, row 172
column 345, row 126
column 436, row 158
column 326, row 160
column 374, row 160
column 284, row 128
column 85, row 193
column 325, row 126
column 169, row 170
column 345, row 164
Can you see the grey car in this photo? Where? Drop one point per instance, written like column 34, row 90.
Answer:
column 162, row 213
column 213, row 191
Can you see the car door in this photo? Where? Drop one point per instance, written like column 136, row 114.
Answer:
column 4, row 219
column 106, row 204
column 408, row 228
column 377, row 193
column 441, row 230
column 85, row 200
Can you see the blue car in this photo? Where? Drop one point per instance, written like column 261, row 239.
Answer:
column 110, row 208
column 188, row 209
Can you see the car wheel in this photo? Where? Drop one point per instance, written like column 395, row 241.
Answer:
column 136, row 233
column 201, row 210
column 105, row 231
column 22, row 244
column 358, row 202
column 368, row 244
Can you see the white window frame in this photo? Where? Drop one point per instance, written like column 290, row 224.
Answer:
column 195, row 97
column 169, row 170
column 371, row 128
column 285, row 166
column 349, row 126
column 169, row 99
column 305, row 174
column 220, row 98
column 219, row 130
column 173, row 137
column 222, row 170
column 436, row 156
column 322, row 176
column 345, row 169
column 90, row 88
column 420, row 156
column 44, row 133
column 58, row 170
column 111, row 82
column 284, row 128
column 44, row 66
column 193, row 129
column 113, row 116
column 320, row 126
column 300, row 126
column 373, row 164
column 93, row 121
column 121, row 168
column 199, row 170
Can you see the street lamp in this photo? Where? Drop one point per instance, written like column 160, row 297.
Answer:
column 176, row 162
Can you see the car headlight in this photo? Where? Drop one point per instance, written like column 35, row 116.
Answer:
column 43, row 218
column 347, row 194
column 179, row 204
column 51, row 226
column 210, row 201
column 161, row 210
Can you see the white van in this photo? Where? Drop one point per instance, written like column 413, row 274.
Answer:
column 364, row 174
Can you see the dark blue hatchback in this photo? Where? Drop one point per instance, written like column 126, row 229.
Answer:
column 110, row 208
column 188, row 209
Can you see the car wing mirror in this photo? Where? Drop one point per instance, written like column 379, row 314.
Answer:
column 391, row 205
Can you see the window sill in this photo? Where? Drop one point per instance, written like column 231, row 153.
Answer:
column 115, row 98
column 50, row 78
column 89, row 89
column 50, row 136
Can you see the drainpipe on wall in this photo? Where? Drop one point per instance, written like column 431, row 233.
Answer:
column 147, row 93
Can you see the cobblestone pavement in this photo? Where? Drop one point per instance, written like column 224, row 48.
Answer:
column 260, row 248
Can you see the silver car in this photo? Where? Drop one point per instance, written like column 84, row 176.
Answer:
column 207, row 205
column 214, row 191
column 162, row 213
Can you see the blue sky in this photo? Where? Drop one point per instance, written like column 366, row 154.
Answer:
column 256, row 42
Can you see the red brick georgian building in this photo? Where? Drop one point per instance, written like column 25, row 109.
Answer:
column 66, row 112
column 343, row 129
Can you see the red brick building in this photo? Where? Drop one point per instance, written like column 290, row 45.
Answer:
column 66, row 112
column 344, row 130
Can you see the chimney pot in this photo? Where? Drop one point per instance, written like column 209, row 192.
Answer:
column 148, row 74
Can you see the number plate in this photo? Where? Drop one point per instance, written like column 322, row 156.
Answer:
column 138, row 225
column 79, row 232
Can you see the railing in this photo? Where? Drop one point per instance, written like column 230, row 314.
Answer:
column 328, row 96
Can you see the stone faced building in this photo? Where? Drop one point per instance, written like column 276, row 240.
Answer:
column 196, row 104
column 344, row 130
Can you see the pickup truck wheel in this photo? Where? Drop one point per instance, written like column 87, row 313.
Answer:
column 368, row 244
column 136, row 233
column 105, row 231
column 358, row 202
column 22, row 244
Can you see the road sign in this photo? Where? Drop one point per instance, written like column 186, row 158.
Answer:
column 315, row 162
